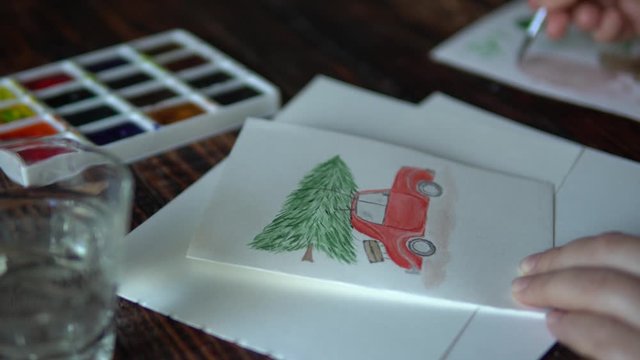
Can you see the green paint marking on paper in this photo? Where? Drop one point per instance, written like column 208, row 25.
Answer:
column 524, row 22
column 487, row 48
column 6, row 94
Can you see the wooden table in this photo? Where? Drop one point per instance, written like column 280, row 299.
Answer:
column 381, row 45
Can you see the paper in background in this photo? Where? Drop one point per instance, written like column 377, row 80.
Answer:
column 441, row 126
column 574, row 69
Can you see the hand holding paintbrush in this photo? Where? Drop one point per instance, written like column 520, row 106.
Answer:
column 606, row 20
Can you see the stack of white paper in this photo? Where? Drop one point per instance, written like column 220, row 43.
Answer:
column 296, row 318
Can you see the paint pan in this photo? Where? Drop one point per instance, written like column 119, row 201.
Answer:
column 6, row 94
column 106, row 64
column 128, row 80
column 152, row 97
column 15, row 112
column 92, row 114
column 209, row 79
column 162, row 48
column 69, row 97
column 187, row 62
column 47, row 81
column 235, row 95
column 33, row 130
column 114, row 133
column 175, row 113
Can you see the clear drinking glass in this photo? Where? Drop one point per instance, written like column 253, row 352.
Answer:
column 64, row 210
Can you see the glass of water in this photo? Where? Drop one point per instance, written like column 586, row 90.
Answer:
column 64, row 210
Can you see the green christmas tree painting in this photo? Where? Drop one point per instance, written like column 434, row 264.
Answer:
column 315, row 216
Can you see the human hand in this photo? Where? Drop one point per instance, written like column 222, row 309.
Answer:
column 606, row 20
column 592, row 286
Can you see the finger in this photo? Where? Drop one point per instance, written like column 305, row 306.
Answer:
column 587, row 16
column 603, row 291
column 631, row 8
column 612, row 250
column 608, row 3
column 557, row 4
column 557, row 24
column 595, row 336
column 611, row 25
column 628, row 33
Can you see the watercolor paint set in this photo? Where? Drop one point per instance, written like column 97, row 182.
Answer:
column 138, row 98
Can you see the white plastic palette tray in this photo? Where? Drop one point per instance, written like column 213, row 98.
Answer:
column 138, row 98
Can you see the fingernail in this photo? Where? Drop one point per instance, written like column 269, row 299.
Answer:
column 528, row 264
column 520, row 284
column 554, row 316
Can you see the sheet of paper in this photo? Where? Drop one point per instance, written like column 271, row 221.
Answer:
column 308, row 202
column 476, row 136
column 574, row 69
column 287, row 320
column 599, row 195
column 442, row 126
column 494, row 335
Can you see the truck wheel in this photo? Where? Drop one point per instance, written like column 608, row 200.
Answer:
column 429, row 188
column 421, row 247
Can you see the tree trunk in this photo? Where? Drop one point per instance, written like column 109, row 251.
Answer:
column 308, row 255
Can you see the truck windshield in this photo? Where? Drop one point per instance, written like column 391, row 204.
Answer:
column 371, row 207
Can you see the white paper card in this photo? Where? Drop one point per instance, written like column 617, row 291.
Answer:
column 494, row 335
column 574, row 69
column 435, row 209
column 599, row 195
column 282, row 319
column 333, row 105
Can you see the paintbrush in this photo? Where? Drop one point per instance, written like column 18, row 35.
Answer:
column 532, row 32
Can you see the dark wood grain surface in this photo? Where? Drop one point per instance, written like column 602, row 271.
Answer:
column 382, row 45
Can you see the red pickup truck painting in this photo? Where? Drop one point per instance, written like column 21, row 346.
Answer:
column 397, row 217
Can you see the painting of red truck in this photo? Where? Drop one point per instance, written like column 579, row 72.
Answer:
column 397, row 218
column 321, row 214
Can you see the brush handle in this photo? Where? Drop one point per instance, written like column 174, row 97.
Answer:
column 537, row 22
